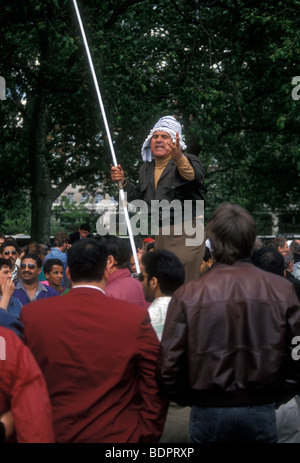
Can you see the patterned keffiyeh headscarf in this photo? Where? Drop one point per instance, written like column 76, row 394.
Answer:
column 166, row 124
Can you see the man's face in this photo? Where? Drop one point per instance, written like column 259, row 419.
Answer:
column 55, row 276
column 83, row 233
column 5, row 275
column 29, row 270
column 159, row 144
column 10, row 253
column 132, row 265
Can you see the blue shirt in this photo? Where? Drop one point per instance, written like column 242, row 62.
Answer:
column 10, row 321
column 41, row 292
column 14, row 306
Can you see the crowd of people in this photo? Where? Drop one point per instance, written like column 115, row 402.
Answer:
column 201, row 345
column 111, row 358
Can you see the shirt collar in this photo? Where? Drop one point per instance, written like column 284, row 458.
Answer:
column 88, row 286
column 40, row 287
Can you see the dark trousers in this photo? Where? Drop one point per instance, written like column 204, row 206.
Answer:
column 234, row 424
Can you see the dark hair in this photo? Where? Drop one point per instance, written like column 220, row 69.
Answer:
column 49, row 264
column 5, row 263
column 207, row 254
column 288, row 259
column 33, row 248
column 85, row 227
column 87, row 260
column 269, row 259
column 150, row 246
column 279, row 241
column 35, row 257
column 119, row 248
column 295, row 247
column 232, row 232
column 7, row 243
column 166, row 267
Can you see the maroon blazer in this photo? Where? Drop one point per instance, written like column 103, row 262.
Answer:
column 98, row 356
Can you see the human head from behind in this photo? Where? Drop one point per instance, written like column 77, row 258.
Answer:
column 61, row 240
column 54, row 273
column 146, row 242
column 269, row 259
column 288, row 261
column 119, row 252
column 84, row 230
column 30, row 268
column 295, row 247
column 163, row 273
column 35, row 248
column 281, row 244
column 232, row 232
column 10, row 250
column 87, row 261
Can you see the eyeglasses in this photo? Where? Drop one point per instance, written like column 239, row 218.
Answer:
column 30, row 266
column 10, row 252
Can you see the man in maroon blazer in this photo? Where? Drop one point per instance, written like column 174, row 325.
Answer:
column 98, row 356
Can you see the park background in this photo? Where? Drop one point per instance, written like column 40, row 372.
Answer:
column 225, row 69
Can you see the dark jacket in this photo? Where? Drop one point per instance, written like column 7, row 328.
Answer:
column 295, row 282
column 170, row 186
column 227, row 339
column 75, row 236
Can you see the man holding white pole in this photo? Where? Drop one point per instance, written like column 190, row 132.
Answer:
column 176, row 182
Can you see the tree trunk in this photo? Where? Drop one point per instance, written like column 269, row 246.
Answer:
column 41, row 189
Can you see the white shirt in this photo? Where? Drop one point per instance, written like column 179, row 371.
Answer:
column 158, row 311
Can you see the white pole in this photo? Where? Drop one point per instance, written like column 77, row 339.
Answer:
column 122, row 194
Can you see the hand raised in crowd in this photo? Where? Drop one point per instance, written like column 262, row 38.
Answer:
column 7, row 291
column 8, row 288
column 175, row 148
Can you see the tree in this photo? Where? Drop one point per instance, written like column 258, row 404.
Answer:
column 223, row 68
column 51, row 126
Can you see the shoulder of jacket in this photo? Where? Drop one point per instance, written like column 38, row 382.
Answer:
column 147, row 164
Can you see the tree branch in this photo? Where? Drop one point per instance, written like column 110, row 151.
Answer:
column 118, row 11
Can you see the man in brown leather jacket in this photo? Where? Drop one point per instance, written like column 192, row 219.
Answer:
column 230, row 343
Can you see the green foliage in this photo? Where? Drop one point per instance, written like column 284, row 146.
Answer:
column 16, row 220
column 69, row 215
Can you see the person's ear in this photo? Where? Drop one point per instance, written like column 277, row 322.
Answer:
column 111, row 262
column 153, row 283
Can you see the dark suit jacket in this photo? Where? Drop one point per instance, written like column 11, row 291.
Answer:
column 75, row 236
column 98, row 356
column 295, row 282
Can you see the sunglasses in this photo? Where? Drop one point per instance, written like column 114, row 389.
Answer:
column 30, row 266
column 10, row 252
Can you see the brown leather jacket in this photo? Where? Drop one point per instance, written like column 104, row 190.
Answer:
column 227, row 339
